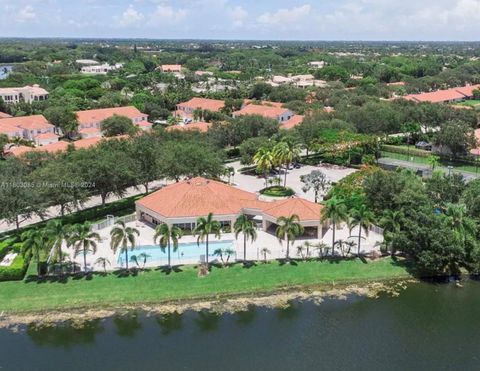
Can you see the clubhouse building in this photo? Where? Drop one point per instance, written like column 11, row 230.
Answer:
column 180, row 204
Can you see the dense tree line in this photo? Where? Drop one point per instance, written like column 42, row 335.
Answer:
column 32, row 183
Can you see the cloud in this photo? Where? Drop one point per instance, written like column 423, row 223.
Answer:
column 27, row 13
column 130, row 16
column 285, row 16
column 237, row 15
column 167, row 14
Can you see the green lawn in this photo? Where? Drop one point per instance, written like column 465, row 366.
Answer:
column 424, row 161
column 471, row 102
column 156, row 286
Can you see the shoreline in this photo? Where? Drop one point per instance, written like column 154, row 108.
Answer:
column 220, row 304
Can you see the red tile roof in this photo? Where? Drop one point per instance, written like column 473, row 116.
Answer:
column 214, row 105
column 98, row 115
column 246, row 102
column 304, row 209
column 34, row 122
column 196, row 197
column 4, row 115
column 6, row 128
column 46, row 136
column 265, row 111
column 171, row 67
column 294, row 121
column 476, row 151
column 199, row 126
column 445, row 95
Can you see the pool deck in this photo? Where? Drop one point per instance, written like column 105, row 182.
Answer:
column 264, row 239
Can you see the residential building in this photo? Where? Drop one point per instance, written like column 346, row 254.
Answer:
column 180, row 204
column 198, row 126
column 10, row 130
column 4, row 115
column 476, row 151
column 101, row 69
column 86, row 62
column 92, row 119
column 35, row 128
column 27, row 94
column 451, row 95
column 276, row 113
column 171, row 68
column 317, row 64
column 185, row 110
column 292, row 122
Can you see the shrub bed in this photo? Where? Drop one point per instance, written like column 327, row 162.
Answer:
column 277, row 191
column 15, row 271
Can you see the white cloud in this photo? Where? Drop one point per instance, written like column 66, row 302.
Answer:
column 284, row 16
column 130, row 17
column 237, row 15
column 27, row 13
column 167, row 14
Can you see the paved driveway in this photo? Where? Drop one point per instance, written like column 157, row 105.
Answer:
column 255, row 184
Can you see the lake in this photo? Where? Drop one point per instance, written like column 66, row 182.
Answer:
column 427, row 327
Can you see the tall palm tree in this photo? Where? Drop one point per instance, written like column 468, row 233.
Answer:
column 286, row 152
column 83, row 241
column 121, row 237
column 391, row 223
column 289, row 229
column 246, row 226
column 203, row 228
column 167, row 235
column 57, row 234
column 264, row 161
column 335, row 210
column 363, row 218
column 34, row 243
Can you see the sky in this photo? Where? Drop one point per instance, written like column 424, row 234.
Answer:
column 248, row 20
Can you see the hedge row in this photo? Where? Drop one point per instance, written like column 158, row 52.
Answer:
column 15, row 271
column 118, row 208
column 407, row 152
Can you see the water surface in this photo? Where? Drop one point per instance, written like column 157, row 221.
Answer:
column 428, row 327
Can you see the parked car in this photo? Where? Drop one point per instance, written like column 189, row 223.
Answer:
column 423, row 145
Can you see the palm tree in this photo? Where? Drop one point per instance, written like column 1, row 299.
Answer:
column 203, row 228
column 246, row 226
column 34, row 243
column 391, row 223
column 83, row 241
column 289, row 229
column 457, row 219
column 322, row 248
column 286, row 152
column 103, row 263
column 122, row 236
column 167, row 236
column 433, row 161
column 335, row 210
column 143, row 258
column 264, row 251
column 57, row 233
column 224, row 252
column 264, row 161
column 363, row 218
column 350, row 245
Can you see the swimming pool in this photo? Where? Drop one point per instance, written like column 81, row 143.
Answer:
column 187, row 253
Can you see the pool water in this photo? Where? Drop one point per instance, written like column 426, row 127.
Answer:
column 186, row 252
